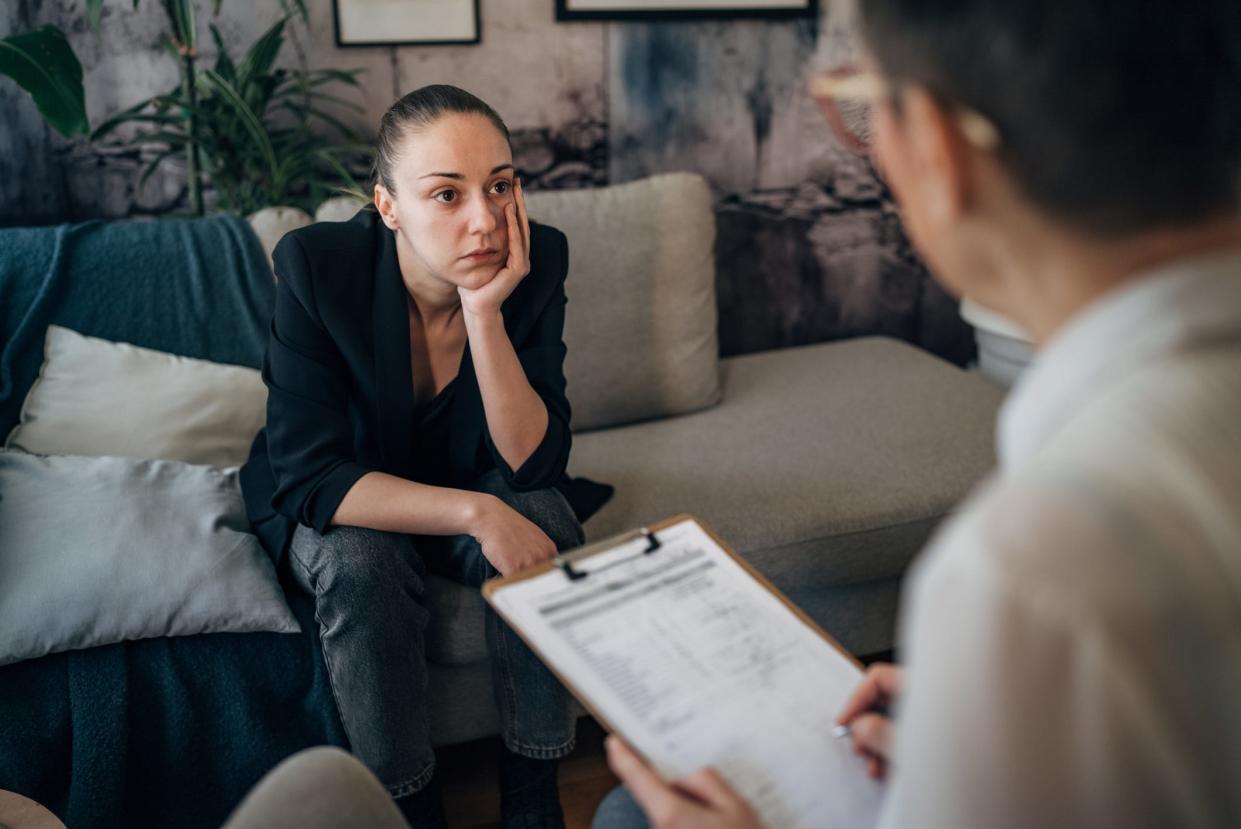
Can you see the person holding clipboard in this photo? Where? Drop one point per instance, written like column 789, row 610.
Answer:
column 1072, row 638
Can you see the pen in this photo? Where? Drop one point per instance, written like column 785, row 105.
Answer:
column 844, row 731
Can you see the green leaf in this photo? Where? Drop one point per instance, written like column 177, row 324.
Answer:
column 319, row 77
column 262, row 54
column 184, row 21
column 223, row 63
column 43, row 64
column 159, row 114
column 344, row 129
column 118, row 119
column 170, row 137
column 140, row 118
column 170, row 46
column 155, row 162
column 347, row 149
column 351, row 186
column 299, row 5
column 337, row 100
column 245, row 116
column 93, row 9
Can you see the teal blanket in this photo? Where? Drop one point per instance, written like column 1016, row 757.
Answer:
column 195, row 287
column 163, row 732
column 168, row 731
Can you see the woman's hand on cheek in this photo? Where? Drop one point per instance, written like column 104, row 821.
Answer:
column 488, row 298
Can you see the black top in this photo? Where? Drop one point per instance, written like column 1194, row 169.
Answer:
column 433, row 439
column 340, row 385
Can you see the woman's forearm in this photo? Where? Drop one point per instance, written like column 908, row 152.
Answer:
column 380, row 501
column 516, row 415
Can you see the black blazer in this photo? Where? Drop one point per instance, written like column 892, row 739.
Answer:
column 340, row 391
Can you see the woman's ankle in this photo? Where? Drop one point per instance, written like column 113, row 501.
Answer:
column 529, row 792
column 424, row 809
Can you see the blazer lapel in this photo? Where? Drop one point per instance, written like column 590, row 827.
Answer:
column 394, row 391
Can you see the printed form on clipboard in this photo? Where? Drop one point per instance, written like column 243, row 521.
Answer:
column 673, row 642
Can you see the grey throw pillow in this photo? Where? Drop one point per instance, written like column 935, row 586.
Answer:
column 641, row 323
column 101, row 550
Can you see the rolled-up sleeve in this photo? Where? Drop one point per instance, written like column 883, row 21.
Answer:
column 542, row 357
column 309, row 437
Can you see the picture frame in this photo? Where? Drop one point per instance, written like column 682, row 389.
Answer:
column 362, row 23
column 568, row 10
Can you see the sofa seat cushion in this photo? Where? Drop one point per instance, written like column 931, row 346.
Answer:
column 825, row 465
column 874, row 440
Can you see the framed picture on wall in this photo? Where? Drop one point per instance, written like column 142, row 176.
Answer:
column 682, row 9
column 405, row 22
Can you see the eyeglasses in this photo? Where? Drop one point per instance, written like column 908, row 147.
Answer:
column 847, row 96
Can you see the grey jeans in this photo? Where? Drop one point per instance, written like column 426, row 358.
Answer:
column 371, row 605
column 619, row 811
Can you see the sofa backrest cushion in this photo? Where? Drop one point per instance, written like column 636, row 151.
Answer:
column 641, row 323
column 195, row 287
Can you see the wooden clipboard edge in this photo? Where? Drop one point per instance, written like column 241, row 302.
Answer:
column 491, row 586
column 775, row 591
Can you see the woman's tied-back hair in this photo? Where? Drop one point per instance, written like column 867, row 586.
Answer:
column 418, row 110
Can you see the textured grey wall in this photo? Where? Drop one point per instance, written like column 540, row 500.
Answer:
column 810, row 247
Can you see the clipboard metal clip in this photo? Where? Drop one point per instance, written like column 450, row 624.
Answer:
column 566, row 561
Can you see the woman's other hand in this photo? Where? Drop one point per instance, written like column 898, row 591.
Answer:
column 865, row 714
column 701, row 801
column 509, row 540
column 484, row 301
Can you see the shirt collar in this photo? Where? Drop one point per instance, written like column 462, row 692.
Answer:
column 1172, row 307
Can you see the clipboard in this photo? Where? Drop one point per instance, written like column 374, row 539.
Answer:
column 571, row 597
column 567, row 563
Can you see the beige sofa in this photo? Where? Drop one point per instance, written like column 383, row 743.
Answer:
column 826, row 466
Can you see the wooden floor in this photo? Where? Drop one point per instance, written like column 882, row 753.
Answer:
column 472, row 792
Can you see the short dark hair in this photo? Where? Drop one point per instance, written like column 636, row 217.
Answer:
column 1117, row 115
column 420, row 109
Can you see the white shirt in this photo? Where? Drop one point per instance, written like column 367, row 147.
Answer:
column 1072, row 637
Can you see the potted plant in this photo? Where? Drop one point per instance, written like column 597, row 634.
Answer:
column 255, row 131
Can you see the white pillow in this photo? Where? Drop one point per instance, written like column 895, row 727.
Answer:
column 95, row 397
column 101, row 550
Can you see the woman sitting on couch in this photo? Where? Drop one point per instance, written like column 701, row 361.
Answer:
column 417, row 420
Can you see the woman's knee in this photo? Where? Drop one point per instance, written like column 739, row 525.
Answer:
column 546, row 508
column 366, row 560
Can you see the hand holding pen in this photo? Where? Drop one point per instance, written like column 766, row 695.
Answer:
column 865, row 717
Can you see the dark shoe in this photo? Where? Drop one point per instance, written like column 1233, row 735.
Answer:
column 424, row 809
column 529, row 794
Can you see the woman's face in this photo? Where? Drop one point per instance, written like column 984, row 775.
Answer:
column 452, row 181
